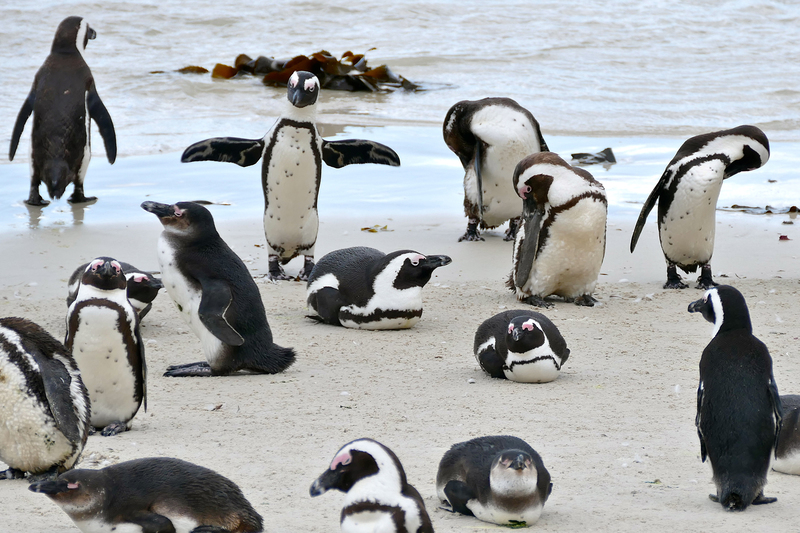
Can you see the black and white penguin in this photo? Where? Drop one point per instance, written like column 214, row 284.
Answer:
column 490, row 136
column 156, row 494
column 687, row 197
column 142, row 289
column 787, row 452
column 63, row 99
column 44, row 407
column 497, row 479
column 738, row 408
column 561, row 240
column 364, row 288
column 521, row 346
column 378, row 497
column 215, row 294
column 293, row 152
column 103, row 337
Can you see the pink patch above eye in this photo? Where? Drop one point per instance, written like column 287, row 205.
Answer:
column 510, row 328
column 138, row 278
column 341, row 459
column 96, row 263
column 528, row 326
column 178, row 211
column 116, row 266
column 72, row 486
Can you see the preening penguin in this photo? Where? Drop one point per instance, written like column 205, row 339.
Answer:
column 687, row 197
column 156, row 494
column 364, row 288
column 497, row 479
column 142, row 287
column 787, row 452
column 738, row 408
column 292, row 153
column 63, row 99
column 561, row 241
column 215, row 294
column 378, row 498
column 521, row 346
column 44, row 407
column 103, row 337
column 490, row 136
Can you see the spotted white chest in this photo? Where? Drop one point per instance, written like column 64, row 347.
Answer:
column 181, row 524
column 384, row 492
column 539, row 365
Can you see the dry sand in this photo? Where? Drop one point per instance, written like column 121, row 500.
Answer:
column 616, row 429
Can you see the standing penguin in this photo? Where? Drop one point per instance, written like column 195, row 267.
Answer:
column 364, row 288
column 497, row 479
column 378, row 497
column 215, row 294
column 103, row 336
column 44, row 407
column 293, row 152
column 142, row 289
column 561, row 242
column 63, row 99
column 738, row 408
column 687, row 197
column 490, row 137
column 521, row 346
column 155, row 494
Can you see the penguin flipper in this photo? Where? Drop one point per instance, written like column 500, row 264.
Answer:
column 777, row 411
column 140, row 348
column 697, row 421
column 647, row 207
column 99, row 113
column 243, row 152
column 338, row 154
column 326, row 302
column 214, row 304
column 529, row 247
column 57, row 381
column 491, row 363
column 24, row 112
column 458, row 494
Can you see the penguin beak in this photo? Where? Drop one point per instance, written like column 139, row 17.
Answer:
column 90, row 33
column 697, row 306
column 328, row 480
column 515, row 334
column 518, row 463
column 435, row 261
column 159, row 210
column 300, row 97
column 55, row 486
column 106, row 269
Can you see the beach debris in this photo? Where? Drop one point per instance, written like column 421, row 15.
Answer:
column 754, row 210
column 602, row 157
column 784, row 238
column 772, row 181
column 788, row 222
column 212, row 407
column 376, row 228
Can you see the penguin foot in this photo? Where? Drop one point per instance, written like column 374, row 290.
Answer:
column 587, row 300
column 537, row 301
column 705, row 281
column 210, row 529
column 200, row 369
column 308, row 266
column 511, row 232
column 472, row 234
column 114, row 428
column 79, row 198
column 276, row 272
column 762, row 500
column 37, row 201
column 714, row 498
column 12, row 473
column 674, row 281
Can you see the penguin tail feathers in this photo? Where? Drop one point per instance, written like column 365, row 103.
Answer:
column 278, row 359
column 56, row 177
column 510, row 283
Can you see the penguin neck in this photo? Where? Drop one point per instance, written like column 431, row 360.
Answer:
column 301, row 114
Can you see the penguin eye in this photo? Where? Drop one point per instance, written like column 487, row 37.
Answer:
column 347, row 461
column 527, row 188
column 415, row 262
column 116, row 266
column 73, row 486
column 178, row 212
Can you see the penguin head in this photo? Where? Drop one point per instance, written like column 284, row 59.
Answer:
column 78, row 492
column 187, row 220
column 72, row 34
column 754, row 152
column 724, row 307
column 104, row 273
column 513, row 473
column 359, row 460
column 413, row 268
column 524, row 334
column 533, row 176
column 302, row 89
column 143, row 286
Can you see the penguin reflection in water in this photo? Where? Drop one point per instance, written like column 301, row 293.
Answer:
column 292, row 152
column 739, row 413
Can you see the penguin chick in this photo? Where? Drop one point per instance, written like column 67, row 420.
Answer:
column 142, row 287
column 378, row 497
column 738, row 408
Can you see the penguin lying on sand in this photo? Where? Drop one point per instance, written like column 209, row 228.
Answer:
column 44, row 407
column 787, row 452
column 561, row 241
column 363, row 288
column 142, row 288
column 63, row 99
column 157, row 494
column 215, row 294
column 292, row 153
column 378, row 497
column 521, row 346
column 497, row 479
column 738, row 408
column 687, row 197
column 103, row 336
column 490, row 137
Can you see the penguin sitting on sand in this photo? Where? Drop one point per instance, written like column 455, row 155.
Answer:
column 490, row 136
column 521, row 346
column 364, row 288
column 156, row 494
column 103, row 337
column 787, row 452
column 292, row 153
column 142, row 288
column 378, row 497
column 687, row 197
column 44, row 406
column 561, row 241
column 215, row 294
column 738, row 408
column 497, row 479
column 63, row 99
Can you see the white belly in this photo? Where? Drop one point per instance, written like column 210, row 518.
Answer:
column 788, row 464
column 495, row 515
column 181, row 524
column 541, row 371
column 369, row 522
column 386, row 298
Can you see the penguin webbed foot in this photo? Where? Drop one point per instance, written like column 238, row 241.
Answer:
column 763, row 500
column 705, row 281
column 37, row 201
column 114, row 428
column 511, row 232
column 12, row 473
column 472, row 234
column 537, row 301
column 587, row 300
column 305, row 272
column 49, row 475
column 199, row 369
column 276, row 272
column 674, row 281
column 81, row 199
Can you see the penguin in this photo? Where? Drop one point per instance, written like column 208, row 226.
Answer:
column 364, row 288
column 103, row 337
column 739, row 412
column 687, row 197
column 63, row 99
column 497, row 479
column 490, row 136
column 215, row 294
column 142, row 288
column 292, row 153
column 154, row 494
column 520, row 345
column 787, row 452
column 378, row 497
column 44, row 406
column 561, row 242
